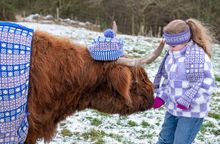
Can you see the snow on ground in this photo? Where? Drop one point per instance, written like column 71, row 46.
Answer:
column 90, row 126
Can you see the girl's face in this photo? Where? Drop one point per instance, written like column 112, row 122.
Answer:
column 177, row 47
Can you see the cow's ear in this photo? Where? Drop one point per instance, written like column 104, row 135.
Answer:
column 120, row 79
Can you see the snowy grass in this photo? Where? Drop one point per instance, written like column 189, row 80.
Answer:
column 90, row 126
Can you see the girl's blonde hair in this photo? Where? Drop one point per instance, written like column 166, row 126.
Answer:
column 200, row 34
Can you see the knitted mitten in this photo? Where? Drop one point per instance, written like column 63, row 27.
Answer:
column 181, row 107
column 158, row 102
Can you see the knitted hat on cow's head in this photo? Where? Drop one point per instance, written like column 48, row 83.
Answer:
column 107, row 47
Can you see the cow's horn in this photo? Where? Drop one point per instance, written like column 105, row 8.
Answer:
column 114, row 27
column 145, row 60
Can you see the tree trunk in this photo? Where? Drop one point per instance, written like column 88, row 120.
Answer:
column 132, row 25
column 24, row 13
column 58, row 13
column 142, row 27
column 3, row 13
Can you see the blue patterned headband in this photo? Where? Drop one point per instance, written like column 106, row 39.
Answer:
column 176, row 39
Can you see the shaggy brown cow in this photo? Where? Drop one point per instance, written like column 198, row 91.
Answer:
column 64, row 78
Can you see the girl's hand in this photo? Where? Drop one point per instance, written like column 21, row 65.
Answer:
column 158, row 102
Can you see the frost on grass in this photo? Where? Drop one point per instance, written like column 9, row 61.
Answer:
column 91, row 126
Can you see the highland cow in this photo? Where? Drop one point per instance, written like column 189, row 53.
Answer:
column 64, row 78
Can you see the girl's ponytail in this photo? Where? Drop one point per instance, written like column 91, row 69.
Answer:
column 200, row 35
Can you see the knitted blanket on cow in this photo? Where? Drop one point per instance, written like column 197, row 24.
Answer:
column 15, row 54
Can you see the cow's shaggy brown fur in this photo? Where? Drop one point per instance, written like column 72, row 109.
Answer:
column 64, row 78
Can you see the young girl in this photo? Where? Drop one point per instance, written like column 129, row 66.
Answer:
column 188, row 80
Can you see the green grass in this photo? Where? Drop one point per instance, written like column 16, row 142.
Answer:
column 209, row 127
column 145, row 124
column 216, row 94
column 142, row 52
column 94, row 135
column 200, row 137
column 209, row 124
column 132, row 123
column 116, row 137
column 157, row 123
column 217, row 78
column 98, row 135
column 66, row 132
column 216, row 132
column 144, row 136
column 62, row 124
column 100, row 141
column 203, row 129
column 94, row 121
column 214, row 115
column 103, row 114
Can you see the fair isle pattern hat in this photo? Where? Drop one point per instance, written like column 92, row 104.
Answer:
column 107, row 48
column 176, row 39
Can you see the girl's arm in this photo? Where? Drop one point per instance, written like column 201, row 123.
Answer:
column 162, row 91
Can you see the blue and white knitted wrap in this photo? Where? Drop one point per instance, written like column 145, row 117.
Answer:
column 176, row 39
column 106, row 48
column 15, row 55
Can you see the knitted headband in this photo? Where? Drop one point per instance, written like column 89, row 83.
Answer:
column 176, row 39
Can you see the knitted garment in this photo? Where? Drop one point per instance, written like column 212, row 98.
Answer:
column 194, row 62
column 188, row 80
column 107, row 48
column 15, row 53
column 176, row 39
